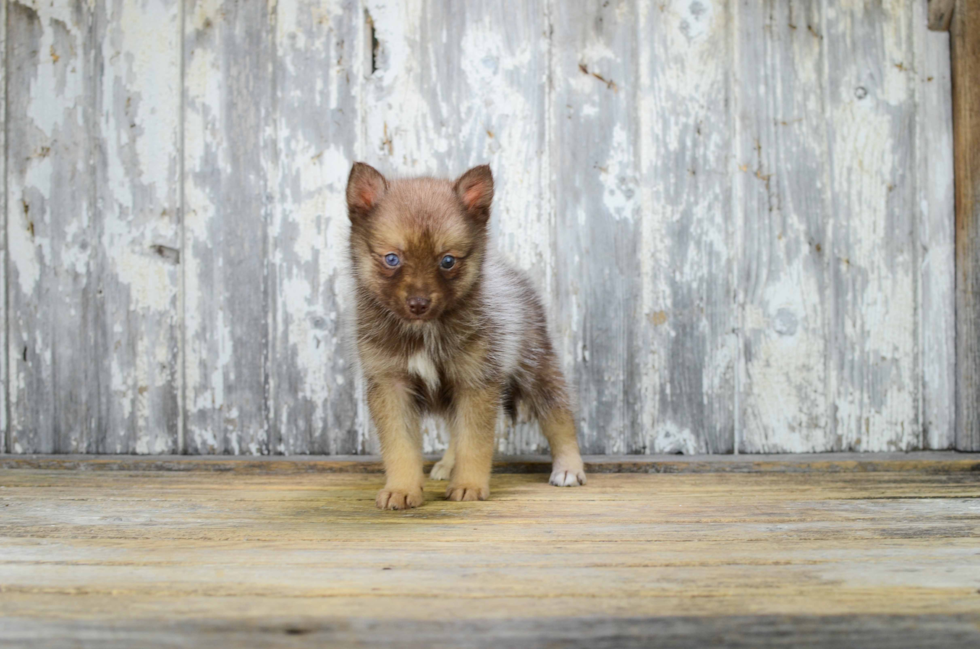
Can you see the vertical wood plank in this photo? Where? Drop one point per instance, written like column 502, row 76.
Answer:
column 53, row 286
column 229, row 178
column 688, row 318
column 318, row 71
column 455, row 85
column 782, row 202
column 4, row 350
column 965, row 51
column 598, row 213
column 137, row 126
column 934, row 209
column 874, row 368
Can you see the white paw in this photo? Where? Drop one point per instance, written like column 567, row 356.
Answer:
column 567, row 471
column 563, row 478
column 441, row 471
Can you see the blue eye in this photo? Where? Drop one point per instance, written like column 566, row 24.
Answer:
column 447, row 262
column 392, row 259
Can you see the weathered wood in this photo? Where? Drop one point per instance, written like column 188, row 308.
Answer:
column 93, row 227
column 738, row 214
column 452, row 85
column 318, row 67
column 229, row 196
column 873, row 365
column 934, row 204
column 872, row 631
column 687, row 319
column 940, row 14
column 900, row 631
column 208, row 556
column 597, row 215
column 137, row 225
column 54, row 295
column 781, row 205
column 919, row 462
column 4, row 350
column 965, row 55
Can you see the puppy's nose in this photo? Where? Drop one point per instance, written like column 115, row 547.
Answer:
column 418, row 305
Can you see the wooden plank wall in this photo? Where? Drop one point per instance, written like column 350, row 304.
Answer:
column 966, row 120
column 739, row 213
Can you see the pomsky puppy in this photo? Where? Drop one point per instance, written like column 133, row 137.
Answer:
column 444, row 327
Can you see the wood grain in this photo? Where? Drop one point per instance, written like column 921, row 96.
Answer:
column 94, row 228
column 935, row 234
column 318, row 67
column 207, row 556
column 873, row 264
column 965, row 54
column 4, row 350
column 739, row 215
column 137, row 222
column 598, row 212
column 781, row 206
column 229, row 197
column 53, row 229
column 688, row 320
column 900, row 631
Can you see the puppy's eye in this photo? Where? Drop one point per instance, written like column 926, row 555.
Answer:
column 392, row 259
column 447, row 262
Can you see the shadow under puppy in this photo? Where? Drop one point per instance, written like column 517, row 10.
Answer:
column 446, row 328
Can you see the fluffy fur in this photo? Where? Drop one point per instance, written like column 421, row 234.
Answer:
column 462, row 341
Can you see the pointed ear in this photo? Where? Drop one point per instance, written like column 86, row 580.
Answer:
column 365, row 187
column 475, row 190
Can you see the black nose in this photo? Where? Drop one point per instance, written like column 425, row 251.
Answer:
column 418, row 305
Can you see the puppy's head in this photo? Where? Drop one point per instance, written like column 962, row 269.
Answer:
column 417, row 245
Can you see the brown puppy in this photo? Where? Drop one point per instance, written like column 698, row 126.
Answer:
column 444, row 327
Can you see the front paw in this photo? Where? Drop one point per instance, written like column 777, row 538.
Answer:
column 568, row 473
column 466, row 492
column 397, row 498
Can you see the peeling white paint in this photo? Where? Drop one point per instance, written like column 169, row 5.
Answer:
column 621, row 196
column 685, row 131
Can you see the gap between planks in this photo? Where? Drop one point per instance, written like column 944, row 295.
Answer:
column 921, row 461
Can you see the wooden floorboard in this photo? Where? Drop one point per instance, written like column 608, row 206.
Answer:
column 859, row 557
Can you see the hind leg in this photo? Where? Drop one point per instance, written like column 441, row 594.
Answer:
column 567, row 469
column 443, row 469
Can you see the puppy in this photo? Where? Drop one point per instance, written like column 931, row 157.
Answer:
column 446, row 328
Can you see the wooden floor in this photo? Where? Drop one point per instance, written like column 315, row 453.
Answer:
column 852, row 555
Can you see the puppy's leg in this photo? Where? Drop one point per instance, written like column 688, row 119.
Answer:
column 558, row 427
column 397, row 419
column 473, row 422
column 443, row 469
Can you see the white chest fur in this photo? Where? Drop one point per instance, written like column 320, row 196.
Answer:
column 421, row 365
